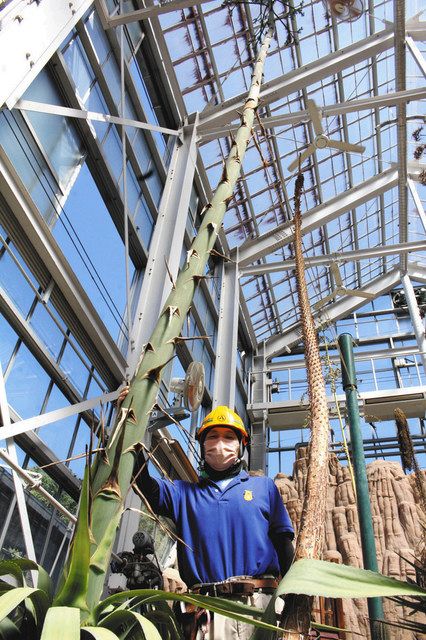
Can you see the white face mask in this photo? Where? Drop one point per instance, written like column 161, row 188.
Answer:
column 221, row 448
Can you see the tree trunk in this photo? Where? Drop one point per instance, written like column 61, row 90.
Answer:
column 310, row 539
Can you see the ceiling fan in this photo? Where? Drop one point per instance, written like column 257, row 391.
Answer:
column 321, row 141
column 341, row 290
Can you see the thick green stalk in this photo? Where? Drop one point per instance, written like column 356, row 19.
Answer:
column 161, row 346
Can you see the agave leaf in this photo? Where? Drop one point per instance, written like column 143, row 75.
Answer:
column 11, row 599
column 117, row 618
column 165, row 616
column 139, row 596
column 100, row 634
column 63, row 623
column 331, row 580
column 9, row 630
column 17, row 568
column 44, row 582
column 235, row 610
column 74, row 589
column 100, row 559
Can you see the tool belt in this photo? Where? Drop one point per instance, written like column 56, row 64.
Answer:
column 238, row 586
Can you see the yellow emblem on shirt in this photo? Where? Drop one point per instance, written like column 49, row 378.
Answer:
column 248, row 495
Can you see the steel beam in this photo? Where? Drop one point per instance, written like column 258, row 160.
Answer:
column 340, row 258
column 151, row 11
column 166, row 244
column 416, row 320
column 278, row 344
column 30, row 33
column 353, row 106
column 300, row 78
column 401, row 118
column 272, row 240
column 416, row 28
column 42, row 420
column 48, row 251
column 227, row 338
column 57, row 110
column 418, row 203
column 417, row 271
column 417, row 54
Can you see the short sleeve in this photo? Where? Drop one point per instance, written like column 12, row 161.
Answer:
column 169, row 498
column 279, row 519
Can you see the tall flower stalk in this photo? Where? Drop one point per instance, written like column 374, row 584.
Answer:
column 310, row 539
column 112, row 471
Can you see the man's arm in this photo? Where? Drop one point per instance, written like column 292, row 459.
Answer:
column 284, row 548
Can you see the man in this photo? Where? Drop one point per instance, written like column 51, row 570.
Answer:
column 236, row 530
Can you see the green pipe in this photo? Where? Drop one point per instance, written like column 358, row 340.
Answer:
column 375, row 606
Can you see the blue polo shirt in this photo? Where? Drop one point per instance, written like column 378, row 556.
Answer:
column 226, row 531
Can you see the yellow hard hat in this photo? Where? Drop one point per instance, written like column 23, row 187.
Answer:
column 224, row 417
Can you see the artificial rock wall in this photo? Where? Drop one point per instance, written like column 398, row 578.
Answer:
column 397, row 518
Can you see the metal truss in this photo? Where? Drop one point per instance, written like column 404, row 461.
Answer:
column 267, row 243
column 279, row 344
column 340, row 258
column 206, row 133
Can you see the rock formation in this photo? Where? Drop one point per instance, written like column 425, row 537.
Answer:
column 397, row 520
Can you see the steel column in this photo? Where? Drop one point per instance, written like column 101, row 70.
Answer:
column 163, row 262
column 258, row 394
column 166, row 244
column 227, row 338
column 418, row 326
column 375, row 607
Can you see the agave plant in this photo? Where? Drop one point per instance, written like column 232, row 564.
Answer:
column 33, row 613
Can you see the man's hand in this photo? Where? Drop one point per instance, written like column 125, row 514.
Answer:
column 173, row 582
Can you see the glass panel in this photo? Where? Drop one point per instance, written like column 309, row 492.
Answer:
column 27, row 384
column 47, row 329
column 93, row 247
column 55, row 133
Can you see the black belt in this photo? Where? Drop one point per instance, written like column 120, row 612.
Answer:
column 236, row 587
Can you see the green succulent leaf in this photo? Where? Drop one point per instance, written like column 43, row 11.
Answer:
column 100, row 559
column 74, row 590
column 229, row 608
column 331, row 580
column 9, row 630
column 139, row 596
column 118, row 618
column 11, row 599
column 99, row 633
column 17, row 568
column 63, row 623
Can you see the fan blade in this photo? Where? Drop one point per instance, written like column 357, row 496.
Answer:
column 336, row 273
column 324, row 301
column 309, row 151
column 345, row 146
column 358, row 293
column 315, row 115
